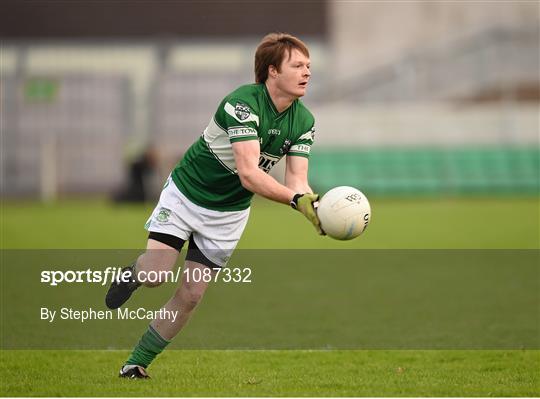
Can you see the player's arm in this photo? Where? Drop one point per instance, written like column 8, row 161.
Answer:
column 296, row 178
column 296, row 174
column 246, row 154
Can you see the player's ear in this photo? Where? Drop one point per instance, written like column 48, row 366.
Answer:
column 272, row 71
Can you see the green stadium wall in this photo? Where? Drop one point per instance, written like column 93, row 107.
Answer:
column 428, row 171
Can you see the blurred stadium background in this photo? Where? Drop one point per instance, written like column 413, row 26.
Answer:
column 437, row 98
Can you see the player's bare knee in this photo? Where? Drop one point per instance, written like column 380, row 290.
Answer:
column 154, row 278
column 191, row 298
column 151, row 284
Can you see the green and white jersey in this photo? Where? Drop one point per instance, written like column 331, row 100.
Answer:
column 207, row 174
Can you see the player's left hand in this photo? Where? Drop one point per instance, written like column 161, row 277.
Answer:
column 305, row 204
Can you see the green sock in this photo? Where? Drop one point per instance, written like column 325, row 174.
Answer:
column 150, row 345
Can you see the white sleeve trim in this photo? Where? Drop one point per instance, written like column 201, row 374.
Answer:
column 241, row 132
column 301, row 148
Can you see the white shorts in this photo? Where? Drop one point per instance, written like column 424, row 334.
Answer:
column 215, row 233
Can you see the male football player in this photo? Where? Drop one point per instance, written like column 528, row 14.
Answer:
column 206, row 199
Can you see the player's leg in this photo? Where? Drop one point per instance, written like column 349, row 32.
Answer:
column 216, row 234
column 197, row 273
column 160, row 256
column 169, row 229
column 184, row 301
column 208, row 252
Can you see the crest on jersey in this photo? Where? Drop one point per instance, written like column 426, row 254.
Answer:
column 241, row 111
column 163, row 215
column 285, row 147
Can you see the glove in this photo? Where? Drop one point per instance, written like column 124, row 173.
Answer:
column 304, row 204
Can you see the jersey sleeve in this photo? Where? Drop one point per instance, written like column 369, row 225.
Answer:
column 302, row 146
column 239, row 120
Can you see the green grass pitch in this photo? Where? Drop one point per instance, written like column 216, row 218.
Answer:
column 276, row 373
column 502, row 222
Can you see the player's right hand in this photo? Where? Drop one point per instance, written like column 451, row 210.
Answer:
column 304, row 203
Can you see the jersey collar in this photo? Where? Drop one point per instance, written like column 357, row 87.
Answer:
column 271, row 103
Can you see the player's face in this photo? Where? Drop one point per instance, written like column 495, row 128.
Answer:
column 294, row 74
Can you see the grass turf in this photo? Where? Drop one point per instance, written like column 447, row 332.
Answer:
column 408, row 223
column 276, row 373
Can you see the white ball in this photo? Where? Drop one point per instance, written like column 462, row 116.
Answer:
column 344, row 212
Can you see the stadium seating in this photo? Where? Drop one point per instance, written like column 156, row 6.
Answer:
column 461, row 170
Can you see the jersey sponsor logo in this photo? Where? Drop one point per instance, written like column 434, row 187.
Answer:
column 303, row 148
column 241, row 132
column 163, row 215
column 267, row 161
column 241, row 111
column 274, row 132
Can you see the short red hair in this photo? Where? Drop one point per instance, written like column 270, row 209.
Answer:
column 271, row 51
